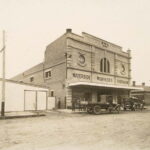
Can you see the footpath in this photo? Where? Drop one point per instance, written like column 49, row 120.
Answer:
column 24, row 114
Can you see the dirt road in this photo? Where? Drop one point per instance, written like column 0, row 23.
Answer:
column 125, row 131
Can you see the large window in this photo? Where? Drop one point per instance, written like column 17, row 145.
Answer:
column 104, row 65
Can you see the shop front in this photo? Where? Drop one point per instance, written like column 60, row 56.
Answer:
column 96, row 87
column 93, row 92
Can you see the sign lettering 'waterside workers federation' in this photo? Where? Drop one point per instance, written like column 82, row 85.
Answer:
column 103, row 79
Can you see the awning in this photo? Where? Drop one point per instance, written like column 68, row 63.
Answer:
column 104, row 85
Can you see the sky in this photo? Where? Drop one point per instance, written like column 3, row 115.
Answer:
column 31, row 25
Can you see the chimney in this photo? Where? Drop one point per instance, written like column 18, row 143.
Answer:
column 129, row 53
column 134, row 83
column 68, row 30
column 143, row 84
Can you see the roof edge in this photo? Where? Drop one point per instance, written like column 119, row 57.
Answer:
column 22, row 83
column 105, row 85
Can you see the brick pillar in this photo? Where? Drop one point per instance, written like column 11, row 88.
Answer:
column 115, row 93
column 115, row 68
column 129, row 66
column 68, row 97
column 93, row 58
column 114, row 98
column 94, row 96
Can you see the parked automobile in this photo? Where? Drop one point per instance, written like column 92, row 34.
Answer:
column 139, row 104
column 105, row 104
column 133, row 104
column 96, row 107
column 129, row 105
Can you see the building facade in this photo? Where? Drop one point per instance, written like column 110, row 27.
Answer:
column 84, row 68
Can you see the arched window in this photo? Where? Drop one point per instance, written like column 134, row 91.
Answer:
column 104, row 65
column 101, row 65
column 108, row 67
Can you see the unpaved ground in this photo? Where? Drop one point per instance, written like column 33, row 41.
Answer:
column 125, row 131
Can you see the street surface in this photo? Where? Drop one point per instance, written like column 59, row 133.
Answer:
column 63, row 131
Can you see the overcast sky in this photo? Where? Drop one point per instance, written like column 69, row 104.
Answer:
column 32, row 24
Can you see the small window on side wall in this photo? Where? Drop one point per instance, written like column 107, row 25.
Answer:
column 52, row 93
column 48, row 74
column 31, row 79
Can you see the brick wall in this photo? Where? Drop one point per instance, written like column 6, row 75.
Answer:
column 55, row 52
column 55, row 60
column 119, row 61
column 57, row 82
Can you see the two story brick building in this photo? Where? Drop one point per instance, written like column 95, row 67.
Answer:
column 84, row 68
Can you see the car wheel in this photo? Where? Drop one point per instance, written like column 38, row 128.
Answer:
column 118, row 109
column 97, row 110
column 89, row 110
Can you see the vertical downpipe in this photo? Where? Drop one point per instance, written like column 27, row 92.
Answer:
column 91, row 74
column 36, row 92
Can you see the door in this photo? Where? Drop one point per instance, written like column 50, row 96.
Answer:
column 41, row 100
column 30, row 100
column 51, row 103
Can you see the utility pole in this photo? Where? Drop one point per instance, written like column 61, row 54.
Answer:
column 3, row 83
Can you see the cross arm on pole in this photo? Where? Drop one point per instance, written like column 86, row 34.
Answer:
column 2, row 49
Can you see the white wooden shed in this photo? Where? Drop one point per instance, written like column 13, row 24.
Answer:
column 25, row 97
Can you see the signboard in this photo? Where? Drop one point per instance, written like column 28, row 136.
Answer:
column 105, row 79
column 100, row 78
column 82, row 76
column 122, row 81
column 78, row 76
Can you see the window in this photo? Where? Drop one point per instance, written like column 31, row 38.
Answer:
column 48, row 74
column 104, row 65
column 52, row 93
column 31, row 79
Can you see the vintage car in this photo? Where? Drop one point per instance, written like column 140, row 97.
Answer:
column 129, row 105
column 133, row 104
column 96, row 108
column 105, row 103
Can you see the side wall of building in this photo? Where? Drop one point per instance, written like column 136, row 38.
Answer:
column 36, row 72
column 55, row 62
column 55, row 52
column 56, row 83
